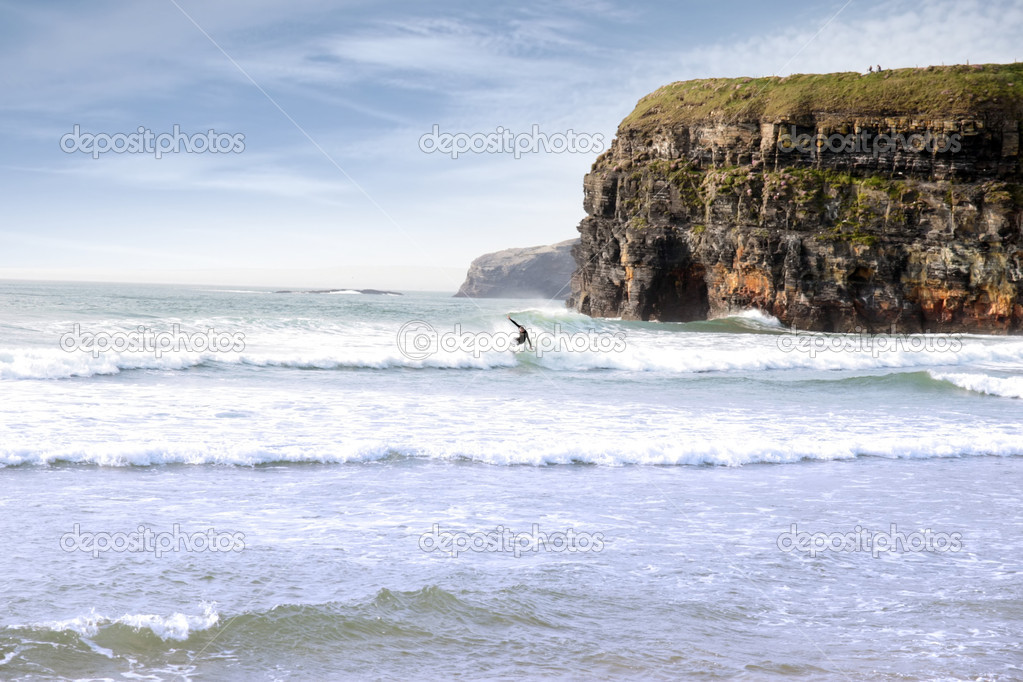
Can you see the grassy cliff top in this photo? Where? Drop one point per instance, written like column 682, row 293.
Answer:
column 988, row 90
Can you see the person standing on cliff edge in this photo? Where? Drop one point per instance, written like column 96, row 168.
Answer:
column 523, row 334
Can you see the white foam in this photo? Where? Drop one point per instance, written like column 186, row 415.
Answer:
column 377, row 358
column 1006, row 387
column 58, row 364
column 155, row 453
column 645, row 350
column 744, row 353
column 558, row 312
column 305, row 344
column 739, row 452
column 753, row 315
column 177, row 626
column 630, row 449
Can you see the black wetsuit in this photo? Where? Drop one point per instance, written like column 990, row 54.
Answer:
column 523, row 334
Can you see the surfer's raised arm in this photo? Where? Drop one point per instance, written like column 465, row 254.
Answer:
column 523, row 334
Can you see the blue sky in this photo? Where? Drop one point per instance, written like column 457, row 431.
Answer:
column 332, row 98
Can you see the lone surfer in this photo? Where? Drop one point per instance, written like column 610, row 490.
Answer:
column 523, row 334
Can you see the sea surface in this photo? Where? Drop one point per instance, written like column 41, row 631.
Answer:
column 348, row 486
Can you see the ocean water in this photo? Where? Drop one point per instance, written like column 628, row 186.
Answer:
column 340, row 492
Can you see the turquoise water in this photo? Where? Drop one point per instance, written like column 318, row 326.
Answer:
column 333, row 457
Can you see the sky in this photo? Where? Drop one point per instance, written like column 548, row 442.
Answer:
column 319, row 109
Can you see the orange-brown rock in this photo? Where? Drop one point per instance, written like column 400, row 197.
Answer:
column 717, row 197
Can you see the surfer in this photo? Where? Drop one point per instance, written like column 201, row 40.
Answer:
column 523, row 334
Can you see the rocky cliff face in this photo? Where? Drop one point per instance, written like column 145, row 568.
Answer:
column 837, row 202
column 535, row 272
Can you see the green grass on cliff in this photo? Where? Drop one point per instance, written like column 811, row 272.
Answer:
column 989, row 90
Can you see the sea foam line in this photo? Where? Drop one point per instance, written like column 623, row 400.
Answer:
column 177, row 626
column 630, row 450
column 642, row 351
column 1005, row 387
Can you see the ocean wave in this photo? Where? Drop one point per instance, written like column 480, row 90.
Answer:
column 379, row 359
column 158, row 453
column 58, row 364
column 698, row 356
column 745, row 321
column 380, row 614
column 552, row 313
column 628, row 450
column 22, row 364
column 1005, row 387
column 754, row 315
column 639, row 350
column 176, row 627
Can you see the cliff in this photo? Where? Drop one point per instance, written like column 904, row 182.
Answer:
column 835, row 202
column 535, row 272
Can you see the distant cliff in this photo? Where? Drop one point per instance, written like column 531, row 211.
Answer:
column 535, row 272
column 834, row 202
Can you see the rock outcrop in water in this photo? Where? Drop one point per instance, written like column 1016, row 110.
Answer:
column 535, row 272
column 836, row 202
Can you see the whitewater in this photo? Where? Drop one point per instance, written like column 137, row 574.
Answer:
column 333, row 431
